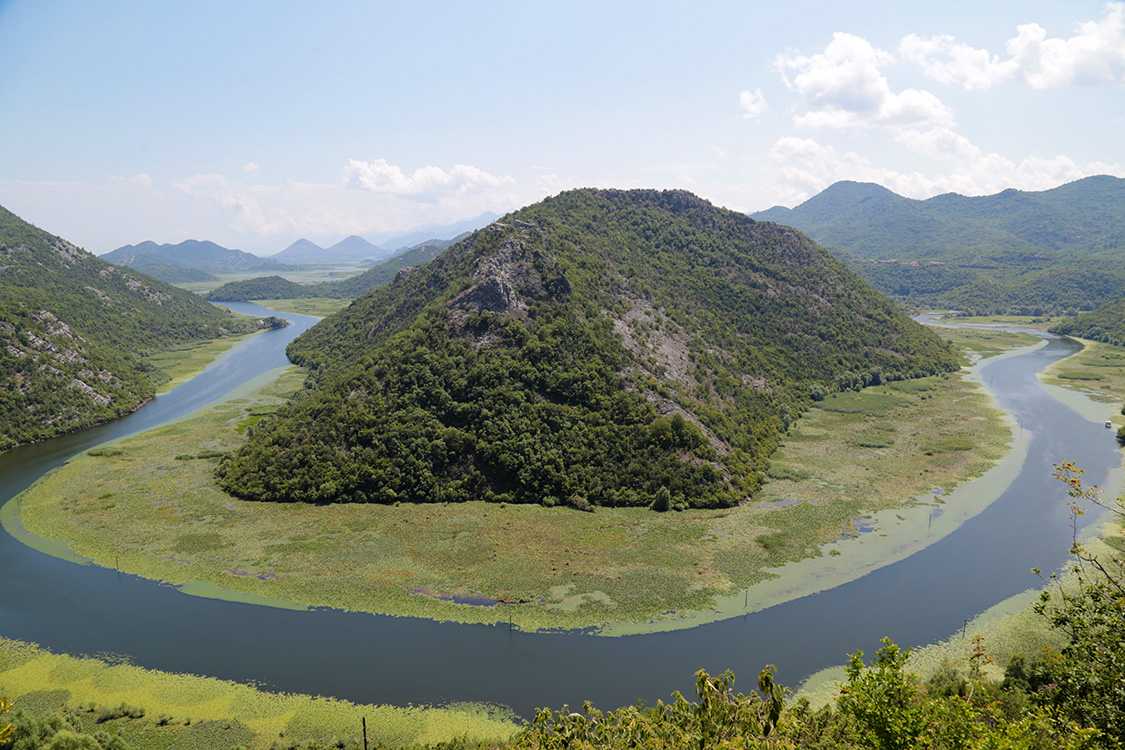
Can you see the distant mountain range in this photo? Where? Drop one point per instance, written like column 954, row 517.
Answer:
column 431, row 234
column 1054, row 249
column 382, row 272
column 350, row 248
column 1085, row 217
column 173, row 263
column 389, row 243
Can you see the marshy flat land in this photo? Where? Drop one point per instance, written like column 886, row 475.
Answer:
column 149, row 708
column 149, row 505
column 1098, row 371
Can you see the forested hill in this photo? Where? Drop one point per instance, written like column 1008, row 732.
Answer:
column 1054, row 250
column 1080, row 219
column 73, row 328
column 601, row 347
column 1106, row 324
column 203, row 255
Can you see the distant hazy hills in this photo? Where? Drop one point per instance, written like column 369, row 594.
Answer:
column 1056, row 249
column 355, row 248
column 183, row 262
column 602, row 347
column 276, row 287
column 350, row 248
column 74, row 329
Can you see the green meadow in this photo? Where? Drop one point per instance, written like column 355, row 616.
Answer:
column 853, row 486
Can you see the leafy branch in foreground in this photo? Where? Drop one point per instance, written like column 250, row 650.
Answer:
column 721, row 719
column 5, row 728
column 1090, row 680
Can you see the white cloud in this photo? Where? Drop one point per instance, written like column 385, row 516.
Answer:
column 369, row 197
column 753, row 104
column 250, row 167
column 1093, row 55
column 939, row 143
column 946, row 60
column 844, row 86
column 380, row 177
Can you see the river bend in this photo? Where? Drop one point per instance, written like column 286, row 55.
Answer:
column 84, row 609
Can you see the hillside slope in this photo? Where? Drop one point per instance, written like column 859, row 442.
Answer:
column 1082, row 218
column 73, row 328
column 601, row 347
column 1059, row 249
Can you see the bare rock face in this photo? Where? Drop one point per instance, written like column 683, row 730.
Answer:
column 506, row 282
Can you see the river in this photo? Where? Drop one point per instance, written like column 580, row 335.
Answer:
column 85, row 609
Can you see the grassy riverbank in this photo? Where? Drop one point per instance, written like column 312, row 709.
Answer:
column 181, row 364
column 1098, row 371
column 184, row 711
column 849, row 476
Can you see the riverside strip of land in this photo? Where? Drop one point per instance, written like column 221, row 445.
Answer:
column 876, row 461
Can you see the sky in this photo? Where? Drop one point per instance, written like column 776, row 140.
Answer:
column 254, row 123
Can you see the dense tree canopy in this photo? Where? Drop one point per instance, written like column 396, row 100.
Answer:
column 592, row 348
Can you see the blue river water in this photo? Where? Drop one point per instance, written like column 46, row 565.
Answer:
column 85, row 609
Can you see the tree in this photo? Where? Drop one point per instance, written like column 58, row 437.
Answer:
column 1090, row 679
column 883, row 699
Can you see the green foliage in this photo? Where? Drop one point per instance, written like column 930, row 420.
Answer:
column 1089, row 679
column 74, row 329
column 884, row 700
column 721, row 719
column 1106, row 324
column 59, row 731
column 502, row 370
column 262, row 287
column 5, row 728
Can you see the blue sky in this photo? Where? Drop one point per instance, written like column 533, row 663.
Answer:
column 253, row 124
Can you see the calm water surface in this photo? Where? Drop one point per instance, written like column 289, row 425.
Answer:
column 83, row 609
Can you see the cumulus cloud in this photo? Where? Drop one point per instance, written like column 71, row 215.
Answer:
column 844, row 86
column 939, row 143
column 946, row 60
column 752, row 103
column 1095, row 54
column 250, row 167
column 380, row 177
